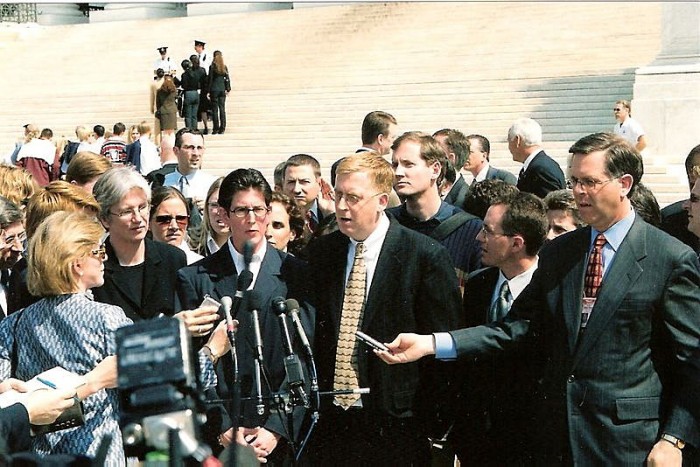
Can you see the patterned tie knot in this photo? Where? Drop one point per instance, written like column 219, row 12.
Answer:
column 599, row 241
column 359, row 250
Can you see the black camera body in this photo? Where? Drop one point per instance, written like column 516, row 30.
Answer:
column 158, row 391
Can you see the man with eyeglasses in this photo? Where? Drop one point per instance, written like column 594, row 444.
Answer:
column 189, row 177
column 491, row 423
column 420, row 163
column 540, row 173
column 378, row 277
column 244, row 200
column 612, row 312
column 12, row 244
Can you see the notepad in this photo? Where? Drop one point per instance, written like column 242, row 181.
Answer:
column 55, row 378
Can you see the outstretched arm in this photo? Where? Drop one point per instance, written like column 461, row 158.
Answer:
column 408, row 347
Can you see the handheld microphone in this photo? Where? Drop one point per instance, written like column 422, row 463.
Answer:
column 293, row 307
column 226, row 303
column 247, row 254
column 245, row 278
column 292, row 364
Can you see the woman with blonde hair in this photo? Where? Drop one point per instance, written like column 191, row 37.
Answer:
column 17, row 185
column 214, row 230
column 67, row 329
column 219, row 87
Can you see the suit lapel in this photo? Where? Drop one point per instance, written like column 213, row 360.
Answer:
column 388, row 266
column 268, row 280
column 151, row 267
column 572, row 288
column 622, row 274
column 222, row 272
column 335, row 267
column 110, row 266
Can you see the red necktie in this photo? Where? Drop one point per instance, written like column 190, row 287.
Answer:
column 594, row 270
column 311, row 221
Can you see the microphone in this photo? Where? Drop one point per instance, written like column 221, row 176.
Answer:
column 254, row 300
column 292, row 364
column 247, row 254
column 293, row 307
column 245, row 278
column 226, row 303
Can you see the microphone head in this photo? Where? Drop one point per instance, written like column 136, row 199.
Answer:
column 247, row 253
column 279, row 306
column 226, row 302
column 254, row 300
column 244, row 280
column 292, row 305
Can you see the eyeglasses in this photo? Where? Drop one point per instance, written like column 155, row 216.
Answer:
column 352, row 200
column 486, row 230
column 19, row 238
column 100, row 253
column 181, row 219
column 128, row 213
column 588, row 184
column 259, row 211
column 617, row 110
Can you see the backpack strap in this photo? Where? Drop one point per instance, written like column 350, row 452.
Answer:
column 450, row 225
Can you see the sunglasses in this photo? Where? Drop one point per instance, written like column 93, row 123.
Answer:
column 99, row 253
column 617, row 110
column 181, row 220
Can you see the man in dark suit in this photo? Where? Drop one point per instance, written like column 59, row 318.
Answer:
column 245, row 197
column 614, row 355
column 674, row 218
column 492, row 418
column 540, row 173
column 401, row 280
column 478, row 162
column 456, row 146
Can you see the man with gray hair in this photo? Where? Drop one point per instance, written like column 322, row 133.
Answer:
column 540, row 173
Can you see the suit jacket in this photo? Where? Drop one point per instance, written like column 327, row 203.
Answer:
column 542, row 176
column 281, row 275
column 674, row 221
column 133, row 154
column 606, row 394
column 458, row 193
column 414, row 289
column 493, row 416
column 499, row 174
column 158, row 295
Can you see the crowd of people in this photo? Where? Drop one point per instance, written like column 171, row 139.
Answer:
column 563, row 319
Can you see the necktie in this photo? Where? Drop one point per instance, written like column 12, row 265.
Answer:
column 184, row 186
column 311, row 222
column 500, row 307
column 594, row 270
column 346, row 367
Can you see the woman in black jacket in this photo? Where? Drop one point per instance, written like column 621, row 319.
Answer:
column 219, row 87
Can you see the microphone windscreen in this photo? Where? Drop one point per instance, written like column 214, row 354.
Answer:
column 279, row 306
column 292, row 304
column 226, row 302
column 254, row 300
column 247, row 252
column 244, row 280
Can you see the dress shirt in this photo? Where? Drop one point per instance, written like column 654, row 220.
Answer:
column 613, row 237
column 150, row 157
column 482, row 173
column 527, row 162
column 517, row 284
column 255, row 263
column 212, row 246
column 373, row 246
column 199, row 182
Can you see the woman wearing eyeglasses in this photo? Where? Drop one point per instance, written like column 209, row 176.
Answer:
column 170, row 217
column 67, row 328
column 139, row 273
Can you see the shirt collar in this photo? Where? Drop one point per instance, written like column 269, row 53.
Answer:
column 374, row 241
column 527, row 162
column 482, row 173
column 518, row 283
column 239, row 261
column 616, row 233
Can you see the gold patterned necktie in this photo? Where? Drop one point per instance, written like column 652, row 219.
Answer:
column 346, row 367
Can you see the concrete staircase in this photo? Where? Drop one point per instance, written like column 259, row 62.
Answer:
column 304, row 79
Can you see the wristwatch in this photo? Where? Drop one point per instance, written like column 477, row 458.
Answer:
column 208, row 352
column 677, row 442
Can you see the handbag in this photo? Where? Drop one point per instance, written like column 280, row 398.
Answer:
column 70, row 418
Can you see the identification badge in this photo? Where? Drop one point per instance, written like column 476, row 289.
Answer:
column 586, row 309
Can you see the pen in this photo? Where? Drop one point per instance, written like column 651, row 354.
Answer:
column 46, row 382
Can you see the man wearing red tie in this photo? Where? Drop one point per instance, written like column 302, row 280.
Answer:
column 615, row 321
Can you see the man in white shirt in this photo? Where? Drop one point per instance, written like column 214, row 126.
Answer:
column 627, row 127
column 164, row 63
column 478, row 162
column 192, row 182
column 204, row 58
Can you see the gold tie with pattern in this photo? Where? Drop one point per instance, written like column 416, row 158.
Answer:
column 346, row 367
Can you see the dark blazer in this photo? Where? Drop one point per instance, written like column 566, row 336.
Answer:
column 617, row 386
column 499, row 174
column 14, row 429
column 133, row 154
column 158, row 296
column 414, row 289
column 674, row 221
column 458, row 193
column 492, row 419
column 542, row 176
column 281, row 275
